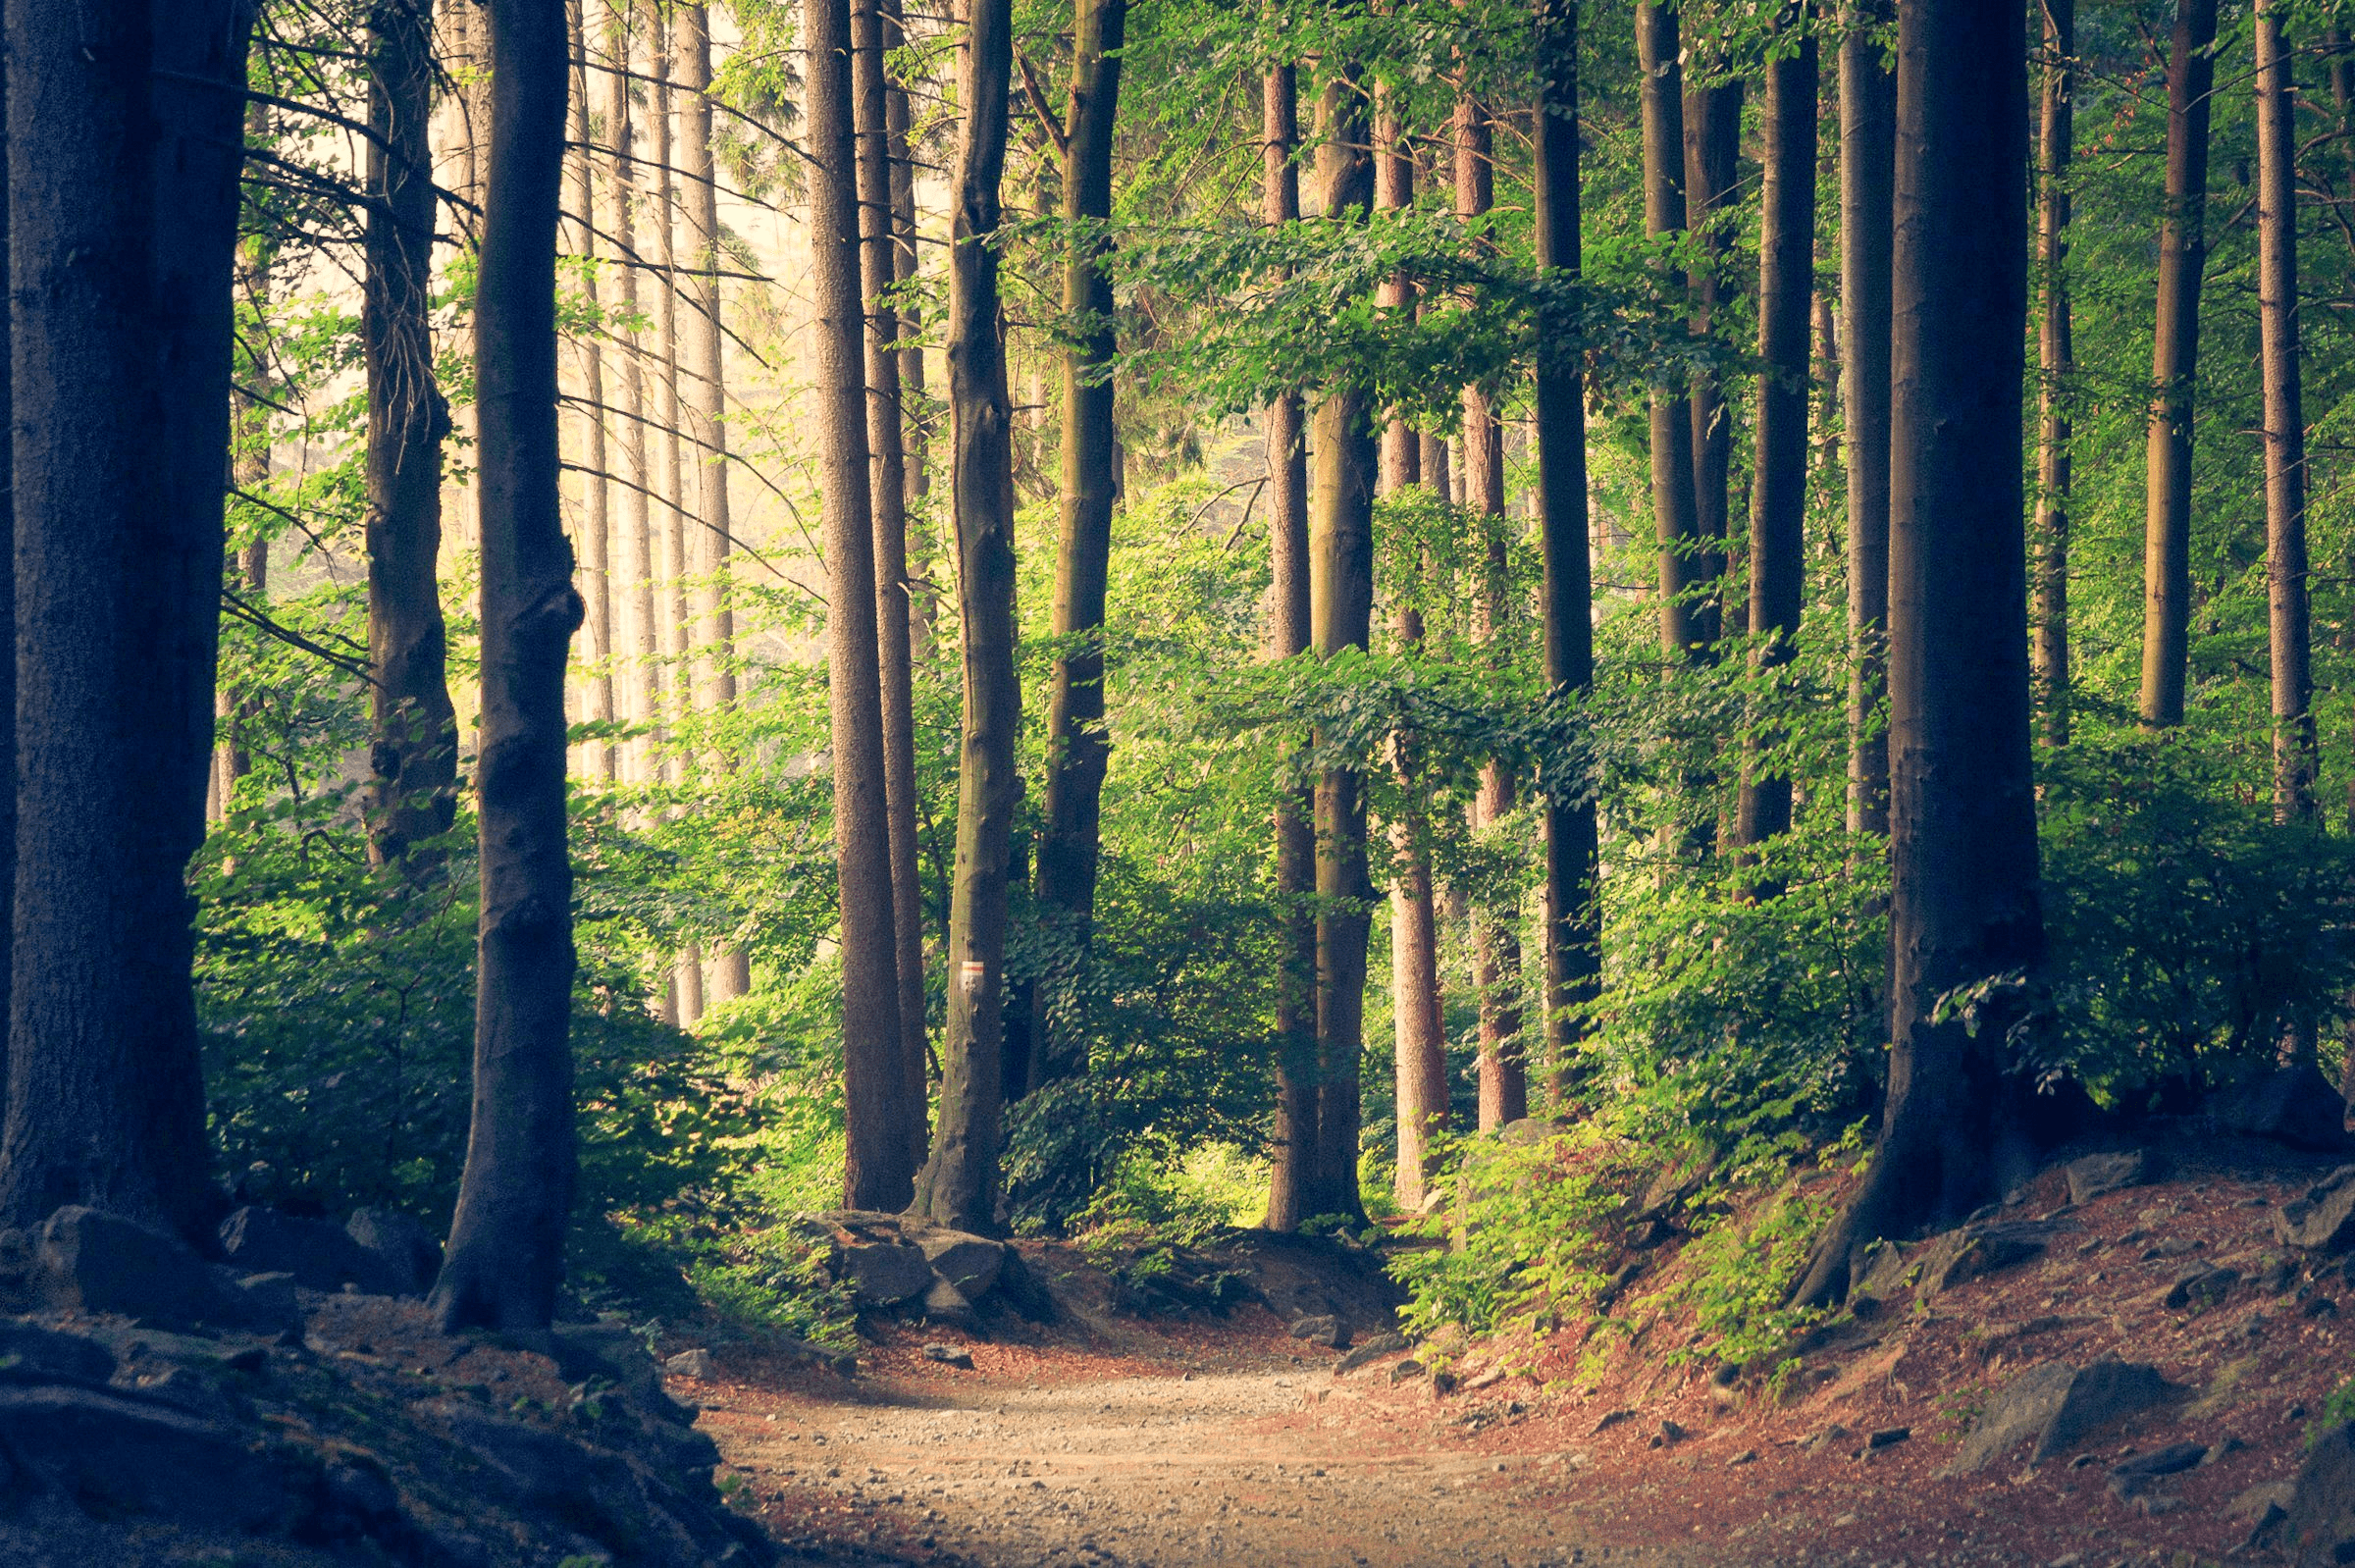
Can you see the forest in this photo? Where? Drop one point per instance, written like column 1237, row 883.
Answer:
column 1560, row 694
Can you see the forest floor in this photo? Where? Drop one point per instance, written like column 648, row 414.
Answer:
column 1116, row 1442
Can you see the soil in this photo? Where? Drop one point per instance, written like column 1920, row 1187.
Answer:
column 1113, row 1441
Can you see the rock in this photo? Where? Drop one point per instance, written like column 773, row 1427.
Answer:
column 1021, row 1289
column 266, row 1303
column 319, row 1254
column 1977, row 1250
column 1825, row 1438
column 1878, row 1272
column 1324, row 1329
column 2319, row 1523
column 36, row 1355
column 1443, row 1384
column 2295, row 1105
column 2098, row 1173
column 2268, row 1502
column 950, row 1355
column 1407, row 1369
column 696, row 1364
column 2133, row 1477
column 2054, row 1407
column 411, row 1256
column 2200, row 1289
column 882, row 1274
column 2323, row 1219
column 945, row 1303
column 1609, row 1420
column 118, row 1452
column 90, row 1260
column 1380, row 1344
column 1747, row 1456
column 971, row 1262
column 1672, row 1432
column 1887, row 1437
column 843, row 1363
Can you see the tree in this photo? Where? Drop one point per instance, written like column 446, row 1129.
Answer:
column 597, row 521
column 640, row 649
column 2294, row 759
column 1674, row 509
column 506, row 1243
column 1964, row 904
column 2055, row 361
column 959, row 1185
column 413, row 751
column 124, row 141
column 1713, row 137
column 1867, row 136
column 2174, row 365
column 880, row 1169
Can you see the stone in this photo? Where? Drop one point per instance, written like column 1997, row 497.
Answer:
column 2054, row 1407
column 2294, row 1105
column 1979, row 1250
column 2318, row 1526
column 2267, row 1501
column 1878, row 1271
column 1672, row 1432
column 90, row 1260
column 1405, row 1370
column 116, row 1451
column 2323, row 1218
column 971, row 1262
column 945, row 1303
column 2098, row 1173
column 2200, row 1289
column 1888, row 1438
column 1380, row 1345
column 1323, row 1329
column 36, row 1355
column 412, row 1258
column 883, row 1274
column 696, row 1364
column 950, row 1355
column 320, row 1254
column 266, row 1303
column 2133, row 1477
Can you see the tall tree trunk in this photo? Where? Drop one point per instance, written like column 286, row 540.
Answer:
column 1291, row 1193
column 1778, row 496
column 597, row 523
column 1078, row 749
column 2175, row 363
column 1962, row 820
column 674, row 680
column 1674, row 507
column 1340, row 551
column 413, row 750
column 959, row 1185
column 1713, row 158
column 1573, row 904
column 249, row 472
column 915, row 412
column 2056, row 358
column 879, row 1170
column 2294, row 759
column 878, row 272
column 507, row 1243
column 1867, row 137
column 640, row 649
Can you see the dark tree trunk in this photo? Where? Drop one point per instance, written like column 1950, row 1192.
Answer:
column 507, row 1243
column 123, row 135
column 879, row 1169
column 1674, row 509
column 2175, row 364
column 1078, row 748
column 959, row 1185
column 1778, row 496
column 2056, row 358
column 1868, row 134
column 1573, row 905
column 413, row 750
column 2294, row 759
column 1964, row 902
column 1291, row 1191
column 1713, row 157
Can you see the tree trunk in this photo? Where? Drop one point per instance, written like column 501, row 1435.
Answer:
column 2294, row 759
column 1778, row 496
column 1963, row 821
column 249, row 472
column 1078, row 749
column 1573, row 902
column 640, row 649
column 959, row 1185
column 1291, row 1193
column 674, row 680
column 2056, row 358
column 1868, row 134
column 878, row 272
column 1712, row 166
column 2174, row 362
column 597, row 524
column 1674, row 509
column 413, row 750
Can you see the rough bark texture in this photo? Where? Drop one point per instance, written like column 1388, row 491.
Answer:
column 1868, row 146
column 638, row 648
column 1673, row 507
column 124, row 130
column 2294, row 759
column 2056, row 360
column 1713, row 157
column 597, row 497
column 2175, row 364
column 413, row 740
column 1778, row 495
column 507, row 1243
column 1962, row 824
column 674, row 678
column 959, row 1185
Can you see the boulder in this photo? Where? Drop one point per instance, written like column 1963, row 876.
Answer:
column 945, row 1303
column 118, row 1452
column 2133, row 1477
column 971, row 1262
column 2098, row 1173
column 36, row 1355
column 320, row 1254
column 882, row 1274
column 263, row 1302
column 1380, row 1345
column 1977, row 1250
column 950, row 1355
column 696, row 1364
column 90, row 1260
column 2295, row 1105
column 2200, row 1289
column 2319, row 1526
column 412, row 1258
column 2056, row 1407
column 2323, row 1219
column 1323, row 1329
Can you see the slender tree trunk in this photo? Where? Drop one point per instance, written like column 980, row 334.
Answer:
column 959, row 1185
column 249, row 471
column 884, row 423
column 2294, row 759
column 1867, row 136
column 597, row 523
column 674, row 681
column 1713, row 157
column 1778, row 496
column 1573, row 904
column 641, row 649
column 914, row 411
column 2056, row 358
column 1291, row 1193
column 1078, row 749
column 1341, row 616
column 2175, row 363
column 413, row 750
column 1675, row 511
column 1963, row 821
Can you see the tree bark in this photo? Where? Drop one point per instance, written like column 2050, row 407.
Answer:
column 2056, row 360
column 2294, row 758
column 640, row 649
column 1713, row 158
column 1778, row 495
column 1867, row 136
column 878, row 272
column 1674, row 509
column 2174, row 365
column 507, row 1243
column 959, row 1185
column 413, row 749
column 674, row 679
column 597, row 524
column 1962, row 822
